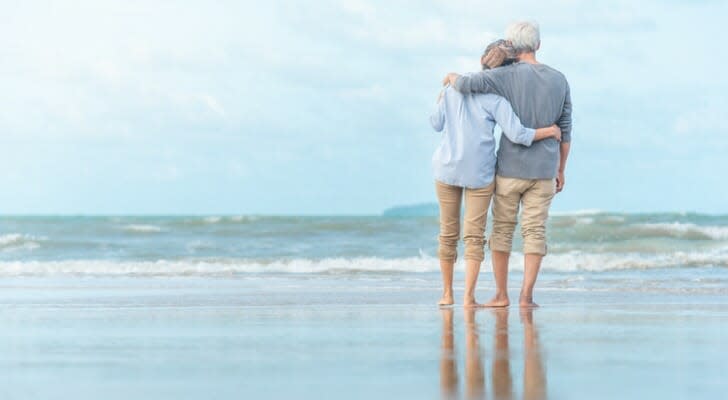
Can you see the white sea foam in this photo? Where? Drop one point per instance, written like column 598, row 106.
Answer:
column 213, row 268
column 576, row 213
column 564, row 262
column 140, row 228
column 244, row 218
column 686, row 230
column 212, row 220
column 19, row 241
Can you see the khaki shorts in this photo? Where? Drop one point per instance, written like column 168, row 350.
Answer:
column 476, row 212
column 536, row 196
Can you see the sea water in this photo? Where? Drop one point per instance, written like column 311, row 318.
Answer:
column 229, row 245
column 632, row 306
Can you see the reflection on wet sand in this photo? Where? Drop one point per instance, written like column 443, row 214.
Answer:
column 448, row 364
column 534, row 373
column 501, row 373
column 474, row 374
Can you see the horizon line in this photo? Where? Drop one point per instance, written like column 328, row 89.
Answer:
column 577, row 212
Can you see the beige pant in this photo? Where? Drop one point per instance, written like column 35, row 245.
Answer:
column 476, row 212
column 536, row 196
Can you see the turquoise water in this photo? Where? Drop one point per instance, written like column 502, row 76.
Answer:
column 588, row 241
column 633, row 307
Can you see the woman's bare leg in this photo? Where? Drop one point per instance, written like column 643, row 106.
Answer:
column 450, row 199
column 476, row 214
column 446, row 268
column 472, row 270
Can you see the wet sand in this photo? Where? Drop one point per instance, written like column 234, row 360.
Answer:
column 283, row 336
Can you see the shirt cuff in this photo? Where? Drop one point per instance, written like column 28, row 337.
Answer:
column 528, row 136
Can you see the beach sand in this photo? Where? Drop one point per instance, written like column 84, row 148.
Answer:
column 357, row 337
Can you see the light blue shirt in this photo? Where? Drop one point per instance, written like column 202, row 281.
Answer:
column 466, row 155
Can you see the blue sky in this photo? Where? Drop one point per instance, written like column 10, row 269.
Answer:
column 288, row 107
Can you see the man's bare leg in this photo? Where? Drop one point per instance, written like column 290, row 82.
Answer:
column 500, row 274
column 530, row 273
column 472, row 270
column 534, row 373
column 446, row 267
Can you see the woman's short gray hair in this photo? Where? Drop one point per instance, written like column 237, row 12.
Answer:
column 524, row 36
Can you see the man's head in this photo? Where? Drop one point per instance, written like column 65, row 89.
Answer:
column 524, row 37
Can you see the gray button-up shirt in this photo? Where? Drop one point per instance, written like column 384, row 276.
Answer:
column 540, row 96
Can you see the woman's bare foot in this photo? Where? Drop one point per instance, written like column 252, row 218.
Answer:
column 469, row 302
column 527, row 302
column 446, row 300
column 498, row 301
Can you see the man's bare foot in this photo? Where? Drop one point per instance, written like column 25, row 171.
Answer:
column 446, row 300
column 527, row 302
column 498, row 301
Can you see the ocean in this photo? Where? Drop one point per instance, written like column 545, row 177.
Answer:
column 633, row 306
column 587, row 241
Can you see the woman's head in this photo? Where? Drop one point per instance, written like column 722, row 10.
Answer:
column 497, row 54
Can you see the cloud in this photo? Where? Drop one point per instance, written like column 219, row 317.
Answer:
column 705, row 123
column 373, row 92
column 213, row 104
column 328, row 91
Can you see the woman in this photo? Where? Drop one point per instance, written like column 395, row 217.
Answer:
column 464, row 166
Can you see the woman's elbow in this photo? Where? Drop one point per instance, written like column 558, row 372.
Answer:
column 524, row 139
column 437, row 124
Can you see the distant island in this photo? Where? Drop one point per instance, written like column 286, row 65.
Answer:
column 413, row 210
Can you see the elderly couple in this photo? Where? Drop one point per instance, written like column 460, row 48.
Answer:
column 528, row 171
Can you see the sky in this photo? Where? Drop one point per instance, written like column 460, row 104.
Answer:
column 321, row 107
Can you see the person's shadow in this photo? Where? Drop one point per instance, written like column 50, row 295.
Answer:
column 501, row 380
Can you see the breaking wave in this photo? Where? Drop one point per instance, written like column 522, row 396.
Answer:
column 19, row 241
column 685, row 230
column 142, row 228
column 565, row 262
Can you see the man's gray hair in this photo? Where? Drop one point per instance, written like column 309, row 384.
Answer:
column 524, row 36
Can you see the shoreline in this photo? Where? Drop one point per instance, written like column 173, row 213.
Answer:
column 188, row 338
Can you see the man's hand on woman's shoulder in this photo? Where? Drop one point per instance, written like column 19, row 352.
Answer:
column 450, row 79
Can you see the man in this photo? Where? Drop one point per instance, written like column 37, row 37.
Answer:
column 525, row 176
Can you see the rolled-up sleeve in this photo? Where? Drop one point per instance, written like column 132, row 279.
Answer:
column 510, row 123
column 437, row 118
column 479, row 82
column 565, row 119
